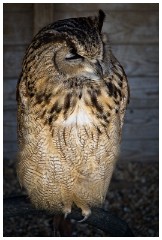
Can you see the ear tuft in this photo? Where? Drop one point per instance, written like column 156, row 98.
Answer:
column 101, row 17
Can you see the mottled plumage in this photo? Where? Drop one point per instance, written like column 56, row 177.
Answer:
column 72, row 97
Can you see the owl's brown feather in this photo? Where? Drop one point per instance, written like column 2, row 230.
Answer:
column 72, row 98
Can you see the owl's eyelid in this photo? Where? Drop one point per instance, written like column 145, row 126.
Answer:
column 73, row 56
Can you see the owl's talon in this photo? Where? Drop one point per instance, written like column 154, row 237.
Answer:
column 86, row 213
column 66, row 214
column 84, row 219
column 67, row 210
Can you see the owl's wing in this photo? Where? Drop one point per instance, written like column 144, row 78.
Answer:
column 125, row 92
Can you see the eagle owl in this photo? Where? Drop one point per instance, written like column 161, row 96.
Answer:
column 72, row 96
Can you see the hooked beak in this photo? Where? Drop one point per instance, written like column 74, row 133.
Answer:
column 94, row 70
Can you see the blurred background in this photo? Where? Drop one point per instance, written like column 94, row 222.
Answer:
column 133, row 31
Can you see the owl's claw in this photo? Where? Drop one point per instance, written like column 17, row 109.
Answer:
column 84, row 219
column 85, row 213
column 67, row 210
column 66, row 214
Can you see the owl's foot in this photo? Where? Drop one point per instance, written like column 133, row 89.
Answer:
column 85, row 213
column 65, row 215
column 66, row 210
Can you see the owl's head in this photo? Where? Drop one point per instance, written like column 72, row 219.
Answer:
column 76, row 46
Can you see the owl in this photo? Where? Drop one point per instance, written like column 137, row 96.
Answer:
column 72, row 96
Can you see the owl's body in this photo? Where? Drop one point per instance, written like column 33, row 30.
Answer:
column 72, row 97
